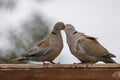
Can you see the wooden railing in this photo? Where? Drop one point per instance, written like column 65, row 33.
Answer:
column 60, row 72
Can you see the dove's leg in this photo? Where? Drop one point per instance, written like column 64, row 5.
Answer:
column 45, row 65
column 89, row 63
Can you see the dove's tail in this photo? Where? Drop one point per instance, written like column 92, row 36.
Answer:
column 14, row 61
column 109, row 61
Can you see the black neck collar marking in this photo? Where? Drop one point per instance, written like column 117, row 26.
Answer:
column 53, row 33
column 75, row 32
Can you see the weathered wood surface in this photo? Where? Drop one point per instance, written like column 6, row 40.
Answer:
column 59, row 72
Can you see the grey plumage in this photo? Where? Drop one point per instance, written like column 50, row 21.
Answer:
column 86, row 48
column 47, row 49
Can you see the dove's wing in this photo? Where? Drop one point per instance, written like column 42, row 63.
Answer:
column 92, row 47
column 40, row 49
column 81, row 54
column 38, row 52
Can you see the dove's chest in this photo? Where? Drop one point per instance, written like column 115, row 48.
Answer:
column 56, row 41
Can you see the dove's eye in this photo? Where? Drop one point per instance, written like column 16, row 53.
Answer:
column 75, row 32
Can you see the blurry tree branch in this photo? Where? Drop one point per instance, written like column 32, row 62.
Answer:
column 32, row 31
column 8, row 4
column 28, row 33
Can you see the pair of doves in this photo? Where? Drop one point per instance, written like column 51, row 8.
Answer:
column 85, row 48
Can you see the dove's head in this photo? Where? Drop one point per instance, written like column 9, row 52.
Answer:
column 59, row 26
column 71, row 35
column 69, row 29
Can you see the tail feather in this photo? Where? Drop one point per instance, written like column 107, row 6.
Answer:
column 14, row 61
column 109, row 61
column 111, row 55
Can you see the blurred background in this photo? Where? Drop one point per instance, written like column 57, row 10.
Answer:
column 25, row 22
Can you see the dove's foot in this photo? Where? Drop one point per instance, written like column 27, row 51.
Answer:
column 45, row 65
column 87, row 64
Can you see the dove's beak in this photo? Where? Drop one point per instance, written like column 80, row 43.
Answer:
column 64, row 29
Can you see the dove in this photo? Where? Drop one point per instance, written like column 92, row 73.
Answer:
column 47, row 49
column 86, row 48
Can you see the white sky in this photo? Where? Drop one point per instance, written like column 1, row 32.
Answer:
column 99, row 18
